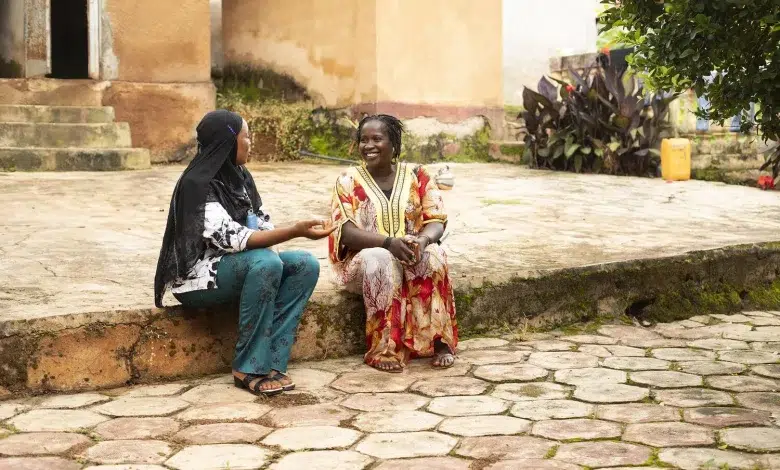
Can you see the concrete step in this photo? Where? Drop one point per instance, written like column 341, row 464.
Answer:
column 106, row 135
column 73, row 159
column 510, row 151
column 56, row 114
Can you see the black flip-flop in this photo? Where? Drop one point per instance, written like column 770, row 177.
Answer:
column 279, row 375
column 246, row 383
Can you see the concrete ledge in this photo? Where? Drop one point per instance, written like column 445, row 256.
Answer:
column 105, row 135
column 60, row 114
column 107, row 349
column 73, row 159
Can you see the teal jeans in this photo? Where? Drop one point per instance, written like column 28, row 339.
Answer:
column 272, row 291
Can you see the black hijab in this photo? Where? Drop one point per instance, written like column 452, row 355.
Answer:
column 211, row 176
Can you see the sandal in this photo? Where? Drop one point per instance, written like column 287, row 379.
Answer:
column 439, row 359
column 278, row 375
column 246, row 383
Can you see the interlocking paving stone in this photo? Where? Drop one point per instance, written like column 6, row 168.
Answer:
column 73, row 401
column 323, row 460
column 220, row 456
column 426, row 463
column 126, row 467
column 718, row 344
column 624, row 332
column 766, row 401
column 594, row 350
column 665, row 379
column 405, row 445
column 311, row 379
column 312, row 437
column 562, row 360
column 136, row 407
column 590, row 375
column 750, row 357
column 225, row 412
column 9, row 410
column 711, row 367
column 682, row 354
column 551, row 409
column 637, row 413
column 41, row 443
column 610, row 393
column 698, row 459
column 735, row 318
column 577, row 428
column 161, row 390
column 448, row 386
column 38, row 463
column 493, row 356
column 767, row 370
column 656, row 343
column 504, row 447
column 765, row 321
column 693, row 397
column 721, row 417
column 532, row 464
column 368, row 382
column 636, row 363
column 626, row 351
column 56, row 420
column 743, row 383
column 481, row 343
column 467, row 406
column 222, row 433
column 531, row 391
column 337, row 366
column 758, row 313
column 602, row 454
column 551, row 345
column 669, row 434
column 397, row 421
column 758, row 335
column 385, row 402
column 129, row 451
column 714, row 331
column 766, row 346
column 323, row 414
column 484, row 426
column 591, row 339
column 421, row 369
column 136, row 428
column 756, row 439
column 217, row 393
column 510, row 372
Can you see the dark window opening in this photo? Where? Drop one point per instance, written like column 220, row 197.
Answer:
column 69, row 39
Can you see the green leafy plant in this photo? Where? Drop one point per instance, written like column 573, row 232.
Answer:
column 726, row 50
column 603, row 123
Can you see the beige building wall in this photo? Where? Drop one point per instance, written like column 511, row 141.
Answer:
column 441, row 52
column 12, row 50
column 326, row 46
column 157, row 41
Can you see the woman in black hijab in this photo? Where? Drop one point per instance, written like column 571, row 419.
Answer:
column 215, row 251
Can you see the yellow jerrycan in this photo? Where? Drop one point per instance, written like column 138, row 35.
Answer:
column 676, row 159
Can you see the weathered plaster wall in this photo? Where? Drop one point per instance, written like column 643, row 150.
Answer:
column 441, row 52
column 327, row 46
column 157, row 41
column 536, row 31
column 217, row 52
column 11, row 38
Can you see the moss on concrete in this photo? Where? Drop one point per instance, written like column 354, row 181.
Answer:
column 448, row 148
column 10, row 69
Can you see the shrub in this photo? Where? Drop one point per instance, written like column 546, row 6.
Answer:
column 602, row 123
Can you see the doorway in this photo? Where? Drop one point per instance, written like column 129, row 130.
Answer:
column 69, row 39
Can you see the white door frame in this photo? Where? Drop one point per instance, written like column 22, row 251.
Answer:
column 94, row 10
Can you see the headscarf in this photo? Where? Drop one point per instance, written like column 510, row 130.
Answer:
column 211, row 176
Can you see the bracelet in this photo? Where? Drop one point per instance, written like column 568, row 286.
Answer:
column 386, row 243
column 427, row 238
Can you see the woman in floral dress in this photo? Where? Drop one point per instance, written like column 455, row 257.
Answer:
column 390, row 219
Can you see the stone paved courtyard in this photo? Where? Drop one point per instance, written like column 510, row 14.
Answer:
column 702, row 393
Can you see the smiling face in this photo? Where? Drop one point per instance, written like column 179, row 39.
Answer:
column 375, row 146
column 244, row 144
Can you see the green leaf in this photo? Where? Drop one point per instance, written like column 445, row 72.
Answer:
column 599, row 153
column 655, row 152
column 613, row 146
column 586, row 150
column 570, row 149
column 578, row 162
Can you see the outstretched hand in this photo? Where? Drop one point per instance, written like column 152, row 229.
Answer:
column 314, row 229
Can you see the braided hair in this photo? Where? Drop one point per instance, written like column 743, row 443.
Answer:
column 394, row 126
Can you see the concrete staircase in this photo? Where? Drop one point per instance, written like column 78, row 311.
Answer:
column 66, row 138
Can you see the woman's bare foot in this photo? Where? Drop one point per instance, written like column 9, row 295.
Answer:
column 253, row 385
column 390, row 365
column 443, row 356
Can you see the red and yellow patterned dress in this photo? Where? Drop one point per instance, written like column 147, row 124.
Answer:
column 407, row 307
